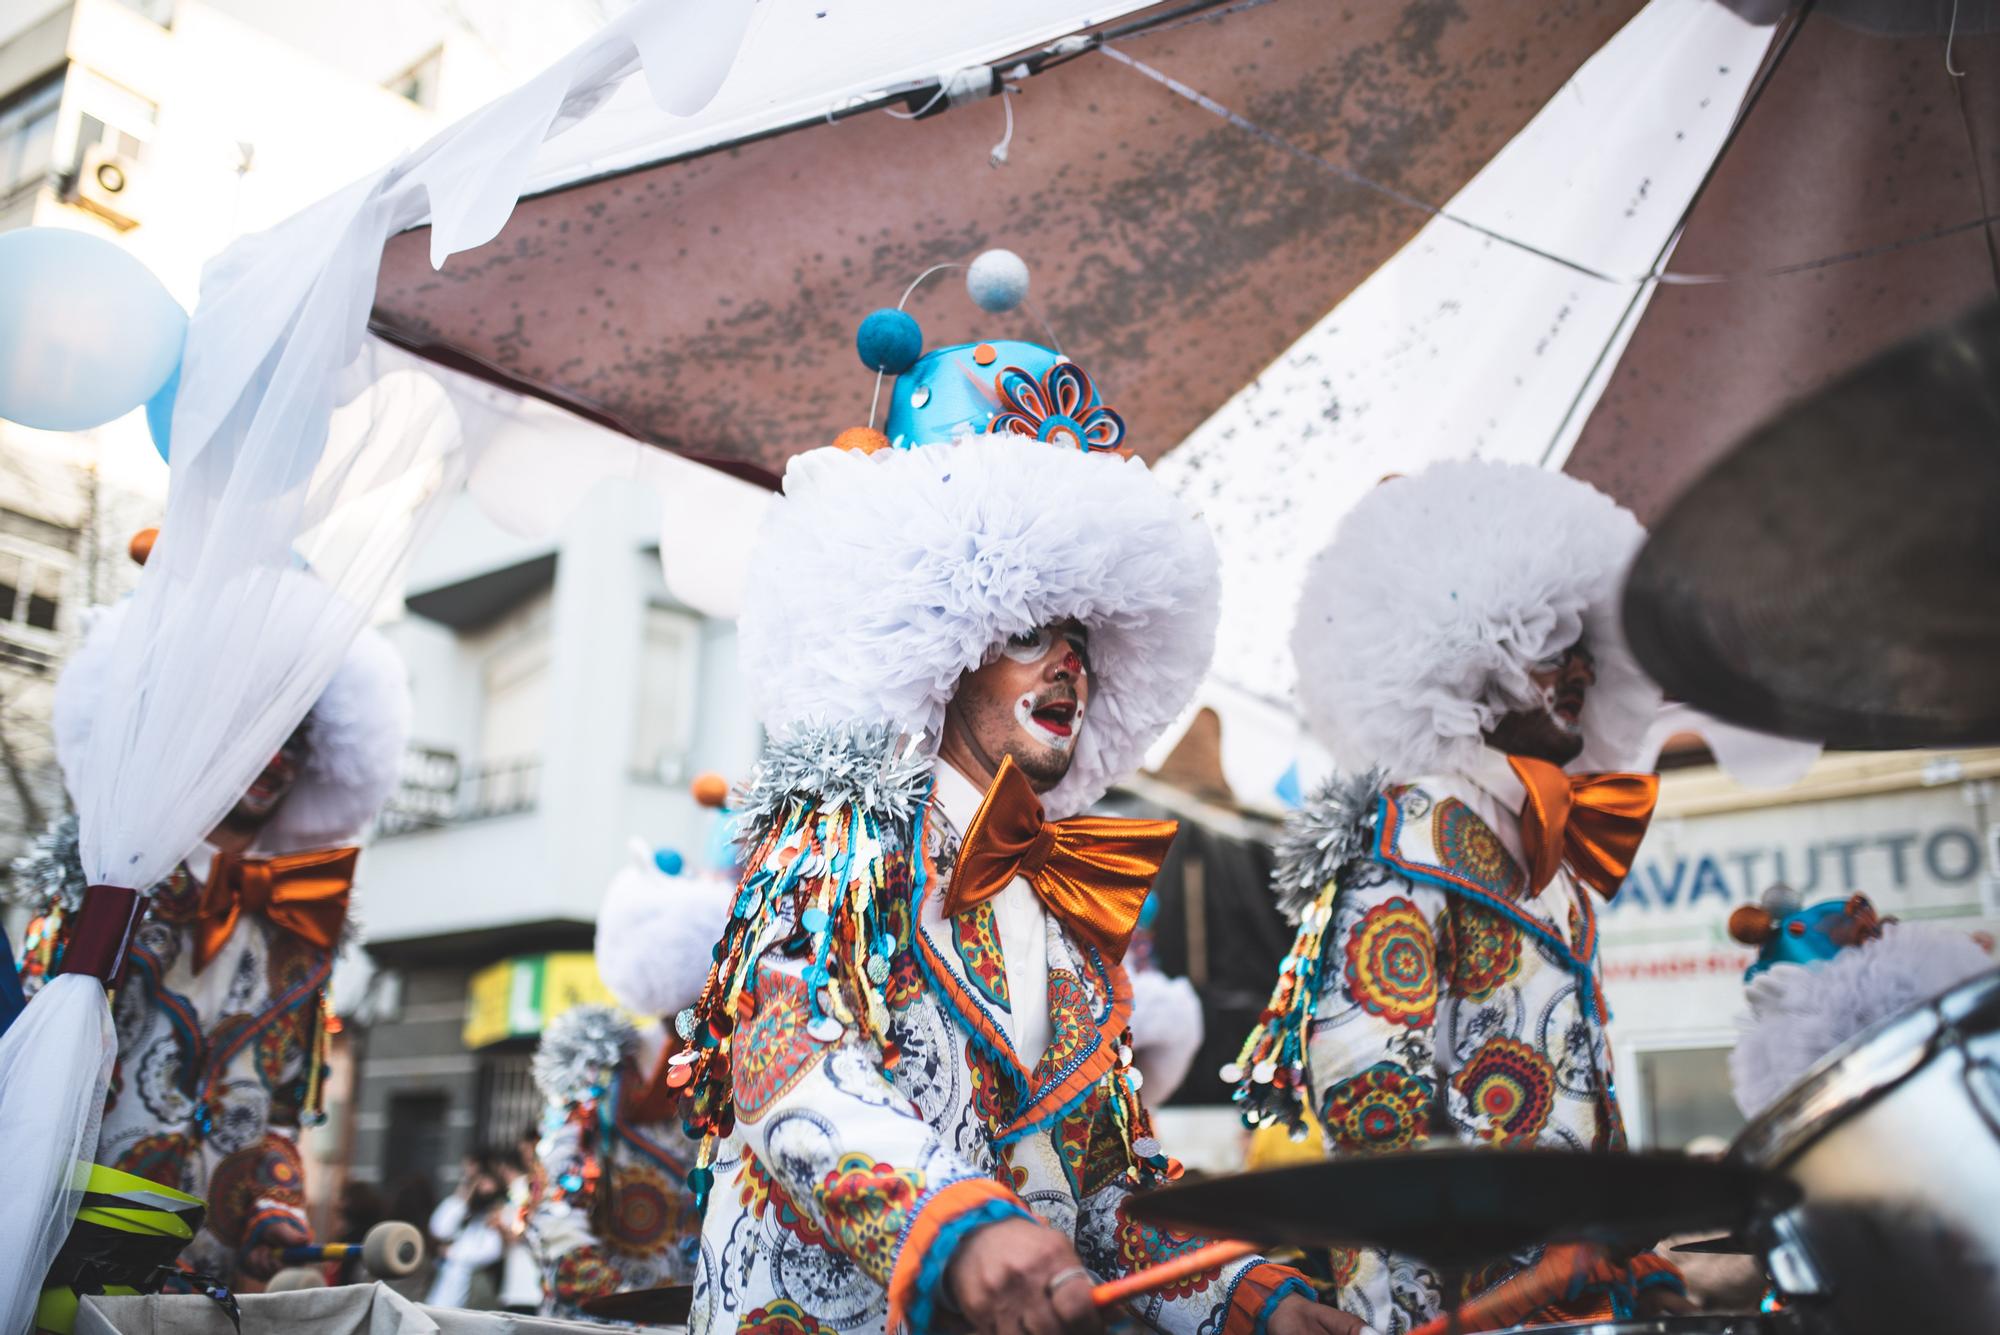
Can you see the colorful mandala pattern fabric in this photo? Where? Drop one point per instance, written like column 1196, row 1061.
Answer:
column 1382, row 1108
column 1392, row 964
column 776, row 1051
column 782, row 1317
column 1141, row 1246
column 976, row 937
column 1511, row 1087
column 1452, row 1005
column 866, row 1206
column 214, row 1076
column 1483, row 950
column 1468, row 845
column 858, row 1176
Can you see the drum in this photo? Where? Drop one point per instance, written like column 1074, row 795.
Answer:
column 1750, row 1323
column 1894, row 1142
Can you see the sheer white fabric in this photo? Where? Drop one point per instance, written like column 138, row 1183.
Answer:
column 299, row 444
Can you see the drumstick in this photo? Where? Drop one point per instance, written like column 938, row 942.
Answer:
column 1210, row 1257
column 1509, row 1302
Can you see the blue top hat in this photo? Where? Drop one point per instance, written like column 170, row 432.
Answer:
column 1003, row 386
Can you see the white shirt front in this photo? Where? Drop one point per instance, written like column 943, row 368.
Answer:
column 1023, row 925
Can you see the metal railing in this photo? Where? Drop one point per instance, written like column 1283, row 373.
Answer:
column 437, row 791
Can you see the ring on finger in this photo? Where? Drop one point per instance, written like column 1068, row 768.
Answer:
column 1062, row 1277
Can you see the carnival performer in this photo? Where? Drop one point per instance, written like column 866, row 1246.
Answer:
column 613, row 1211
column 911, row 1065
column 221, row 1011
column 1459, row 653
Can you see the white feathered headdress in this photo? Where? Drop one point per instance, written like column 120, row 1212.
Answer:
column 879, row 579
column 355, row 735
column 1418, row 624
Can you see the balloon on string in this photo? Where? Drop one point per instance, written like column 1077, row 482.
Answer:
column 160, row 411
column 87, row 333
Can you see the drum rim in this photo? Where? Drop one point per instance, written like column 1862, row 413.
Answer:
column 1859, row 1071
column 1693, row 1323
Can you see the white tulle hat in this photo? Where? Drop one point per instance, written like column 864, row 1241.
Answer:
column 880, row 577
column 1419, row 623
column 355, row 733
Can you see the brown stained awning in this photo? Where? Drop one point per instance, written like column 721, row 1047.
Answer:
column 709, row 305
column 1858, row 154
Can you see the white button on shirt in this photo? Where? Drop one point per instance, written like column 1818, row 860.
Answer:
column 1023, row 925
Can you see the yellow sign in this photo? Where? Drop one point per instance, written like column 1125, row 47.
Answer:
column 517, row 997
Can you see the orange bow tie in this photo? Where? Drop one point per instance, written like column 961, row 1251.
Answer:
column 1592, row 822
column 1092, row 872
column 304, row 893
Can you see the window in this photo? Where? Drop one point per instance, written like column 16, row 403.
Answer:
column 28, row 134
column 31, row 590
column 668, row 672
column 516, row 699
column 1686, row 1095
column 509, row 1102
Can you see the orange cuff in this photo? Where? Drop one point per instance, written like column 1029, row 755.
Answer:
column 941, row 1223
column 1257, row 1293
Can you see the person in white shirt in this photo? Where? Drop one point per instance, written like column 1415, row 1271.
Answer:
column 1459, row 654
column 221, row 1006
column 912, row 1065
column 466, row 1227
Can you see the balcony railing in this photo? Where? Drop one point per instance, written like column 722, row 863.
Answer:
column 438, row 791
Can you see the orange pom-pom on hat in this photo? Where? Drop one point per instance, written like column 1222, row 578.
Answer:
column 141, row 545
column 864, row 439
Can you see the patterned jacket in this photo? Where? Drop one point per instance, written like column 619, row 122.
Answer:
column 1448, row 1002
column 217, row 1069
column 611, row 1211
column 855, row 1167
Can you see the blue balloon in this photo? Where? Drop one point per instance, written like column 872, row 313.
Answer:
column 160, row 412
column 87, row 333
column 669, row 860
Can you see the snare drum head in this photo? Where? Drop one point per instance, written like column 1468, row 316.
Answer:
column 1714, row 1323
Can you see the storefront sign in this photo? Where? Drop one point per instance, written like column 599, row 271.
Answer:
column 517, row 997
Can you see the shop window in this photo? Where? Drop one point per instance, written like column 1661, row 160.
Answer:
column 1685, row 1095
column 509, row 1101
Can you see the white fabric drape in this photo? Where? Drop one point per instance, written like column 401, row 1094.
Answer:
column 298, row 442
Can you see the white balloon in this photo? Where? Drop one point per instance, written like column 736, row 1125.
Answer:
column 87, row 333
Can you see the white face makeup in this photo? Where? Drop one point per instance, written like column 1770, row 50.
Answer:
column 1054, row 723
column 1052, row 717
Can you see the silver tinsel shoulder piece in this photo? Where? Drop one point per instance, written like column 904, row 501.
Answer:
column 50, row 874
column 868, row 766
column 1333, row 828
column 579, row 1051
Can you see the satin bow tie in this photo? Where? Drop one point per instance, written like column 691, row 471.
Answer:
column 304, row 893
column 1092, row 872
column 1591, row 822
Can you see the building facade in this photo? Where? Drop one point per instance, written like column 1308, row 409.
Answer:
column 564, row 700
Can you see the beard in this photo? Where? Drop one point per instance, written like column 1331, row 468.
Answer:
column 996, row 730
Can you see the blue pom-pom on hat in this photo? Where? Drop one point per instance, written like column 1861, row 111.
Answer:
column 889, row 341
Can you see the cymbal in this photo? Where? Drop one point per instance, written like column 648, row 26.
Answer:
column 668, row 1305
column 1458, row 1208
column 1834, row 576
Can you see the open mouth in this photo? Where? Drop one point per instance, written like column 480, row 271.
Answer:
column 1569, row 709
column 1057, row 716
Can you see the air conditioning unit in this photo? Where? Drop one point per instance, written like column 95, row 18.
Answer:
column 109, row 183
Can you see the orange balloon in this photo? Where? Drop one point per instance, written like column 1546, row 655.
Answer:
column 141, row 545
column 710, row 789
column 865, row 439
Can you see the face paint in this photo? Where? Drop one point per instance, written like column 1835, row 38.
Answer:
column 1054, row 722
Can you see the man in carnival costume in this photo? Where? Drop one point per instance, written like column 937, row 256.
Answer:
column 612, row 1210
column 912, row 1061
column 220, row 1011
column 1458, row 651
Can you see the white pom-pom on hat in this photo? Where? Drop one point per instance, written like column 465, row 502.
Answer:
column 997, row 281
